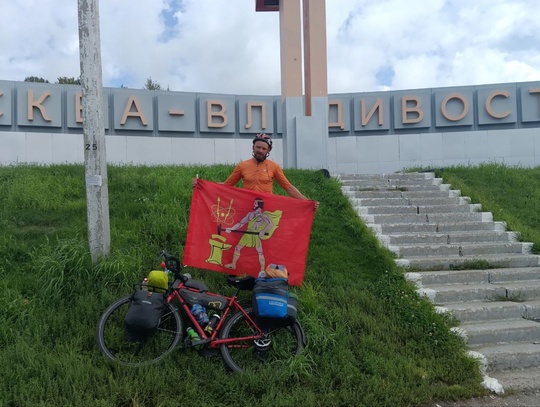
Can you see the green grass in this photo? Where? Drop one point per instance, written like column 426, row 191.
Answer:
column 371, row 340
column 512, row 194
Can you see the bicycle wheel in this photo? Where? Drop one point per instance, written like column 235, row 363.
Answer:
column 278, row 345
column 116, row 345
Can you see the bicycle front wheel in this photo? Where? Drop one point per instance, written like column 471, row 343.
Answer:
column 277, row 346
column 116, row 345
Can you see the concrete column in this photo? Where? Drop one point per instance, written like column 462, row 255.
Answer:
column 97, row 192
column 312, row 130
column 305, row 120
column 290, row 27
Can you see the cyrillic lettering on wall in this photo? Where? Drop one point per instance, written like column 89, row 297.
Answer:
column 133, row 102
column 444, row 107
column 489, row 108
column 220, row 114
column 176, row 112
column 336, row 105
column 532, row 92
column 253, row 105
column 415, row 110
column 37, row 104
column 377, row 107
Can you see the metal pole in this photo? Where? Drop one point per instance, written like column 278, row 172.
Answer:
column 95, row 162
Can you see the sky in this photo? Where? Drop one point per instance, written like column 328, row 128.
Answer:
column 224, row 46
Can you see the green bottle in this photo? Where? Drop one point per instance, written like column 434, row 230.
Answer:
column 192, row 333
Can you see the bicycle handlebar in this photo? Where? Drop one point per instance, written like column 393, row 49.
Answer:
column 173, row 264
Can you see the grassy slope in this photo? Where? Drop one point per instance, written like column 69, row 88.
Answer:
column 372, row 341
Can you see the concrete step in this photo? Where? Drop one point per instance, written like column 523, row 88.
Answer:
column 427, row 217
column 503, row 331
column 448, row 277
column 510, row 356
column 481, row 291
column 371, row 194
column 473, row 249
column 441, row 227
column 514, row 274
column 403, row 200
column 457, row 262
column 454, row 293
column 449, row 238
column 417, row 209
column 403, row 185
column 442, row 239
column 445, row 277
column 363, row 186
column 476, row 311
column 532, row 310
column 394, row 175
column 382, row 182
column 394, row 193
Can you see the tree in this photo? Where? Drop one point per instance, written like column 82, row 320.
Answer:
column 152, row 85
column 35, row 79
column 69, row 81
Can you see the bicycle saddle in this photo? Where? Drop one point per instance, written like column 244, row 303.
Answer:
column 243, row 283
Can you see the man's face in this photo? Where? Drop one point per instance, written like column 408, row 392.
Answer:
column 260, row 150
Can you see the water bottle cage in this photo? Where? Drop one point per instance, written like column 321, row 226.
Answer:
column 192, row 344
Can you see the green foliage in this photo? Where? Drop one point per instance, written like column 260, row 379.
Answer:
column 511, row 194
column 151, row 84
column 68, row 81
column 35, row 79
column 371, row 340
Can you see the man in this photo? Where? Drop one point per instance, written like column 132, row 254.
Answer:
column 258, row 173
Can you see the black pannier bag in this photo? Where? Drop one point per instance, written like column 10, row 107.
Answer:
column 143, row 315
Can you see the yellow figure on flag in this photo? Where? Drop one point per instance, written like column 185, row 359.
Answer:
column 260, row 226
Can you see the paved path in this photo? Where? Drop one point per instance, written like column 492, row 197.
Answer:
column 522, row 390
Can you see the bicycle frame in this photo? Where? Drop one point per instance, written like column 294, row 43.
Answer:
column 213, row 340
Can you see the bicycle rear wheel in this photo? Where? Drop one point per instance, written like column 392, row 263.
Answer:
column 278, row 345
column 116, row 345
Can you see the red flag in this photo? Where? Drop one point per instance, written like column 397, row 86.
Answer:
column 238, row 231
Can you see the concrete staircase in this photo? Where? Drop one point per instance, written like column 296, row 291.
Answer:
column 462, row 260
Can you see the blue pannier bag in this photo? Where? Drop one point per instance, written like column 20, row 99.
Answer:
column 270, row 297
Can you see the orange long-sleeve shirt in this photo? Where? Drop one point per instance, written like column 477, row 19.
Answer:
column 258, row 176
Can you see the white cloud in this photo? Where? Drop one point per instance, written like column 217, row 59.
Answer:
column 226, row 47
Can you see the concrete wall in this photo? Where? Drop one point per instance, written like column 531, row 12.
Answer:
column 53, row 148
column 384, row 154
column 363, row 155
column 377, row 132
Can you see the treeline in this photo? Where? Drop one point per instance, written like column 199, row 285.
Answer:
column 64, row 80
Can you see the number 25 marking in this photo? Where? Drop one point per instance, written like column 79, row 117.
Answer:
column 90, row 147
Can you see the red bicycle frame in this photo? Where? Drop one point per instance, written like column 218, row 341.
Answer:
column 212, row 339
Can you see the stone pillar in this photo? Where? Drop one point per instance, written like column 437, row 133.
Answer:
column 290, row 34
column 95, row 161
column 312, row 129
column 305, row 119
